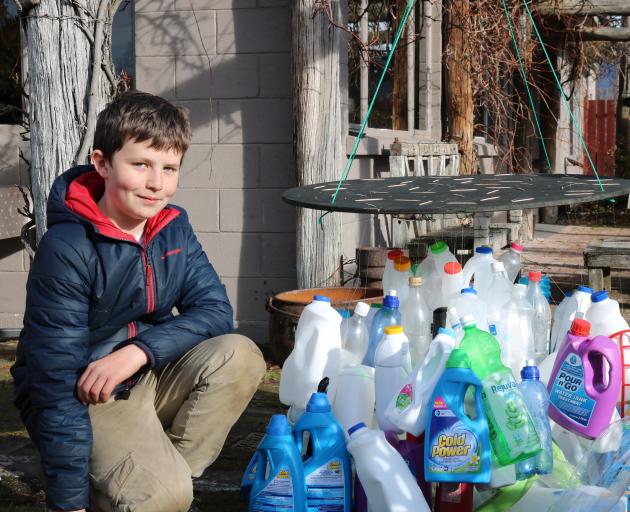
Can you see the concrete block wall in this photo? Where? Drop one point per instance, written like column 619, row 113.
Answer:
column 228, row 62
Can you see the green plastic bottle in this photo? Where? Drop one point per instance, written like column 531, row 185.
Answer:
column 512, row 433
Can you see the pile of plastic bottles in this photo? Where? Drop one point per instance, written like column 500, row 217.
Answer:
column 423, row 410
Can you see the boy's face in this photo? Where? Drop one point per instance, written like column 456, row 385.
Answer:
column 139, row 182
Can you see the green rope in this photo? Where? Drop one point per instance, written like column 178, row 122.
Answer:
column 564, row 96
column 346, row 171
column 529, row 93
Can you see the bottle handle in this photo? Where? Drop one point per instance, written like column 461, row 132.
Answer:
column 614, row 370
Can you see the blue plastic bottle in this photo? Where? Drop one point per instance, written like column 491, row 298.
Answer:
column 456, row 448
column 278, row 483
column 536, row 399
column 389, row 314
column 327, row 468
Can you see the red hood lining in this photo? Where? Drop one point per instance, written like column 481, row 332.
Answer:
column 83, row 194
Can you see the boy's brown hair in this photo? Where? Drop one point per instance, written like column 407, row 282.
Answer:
column 140, row 116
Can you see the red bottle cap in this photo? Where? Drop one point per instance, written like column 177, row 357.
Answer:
column 580, row 327
column 534, row 277
column 452, row 267
column 394, row 253
column 517, row 247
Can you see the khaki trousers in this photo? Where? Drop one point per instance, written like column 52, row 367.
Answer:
column 172, row 427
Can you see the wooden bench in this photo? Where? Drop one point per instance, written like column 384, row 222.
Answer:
column 602, row 255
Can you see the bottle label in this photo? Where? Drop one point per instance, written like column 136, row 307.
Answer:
column 325, row 488
column 508, row 415
column 492, row 329
column 276, row 495
column 454, row 448
column 568, row 394
column 404, row 398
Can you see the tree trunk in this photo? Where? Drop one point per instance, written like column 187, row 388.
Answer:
column 459, row 92
column 319, row 154
column 60, row 71
column 399, row 95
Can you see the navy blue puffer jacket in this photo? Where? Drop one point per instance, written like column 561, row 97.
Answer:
column 91, row 289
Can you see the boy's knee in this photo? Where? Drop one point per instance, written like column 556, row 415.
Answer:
column 241, row 355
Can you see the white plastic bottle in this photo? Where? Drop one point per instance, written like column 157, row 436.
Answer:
column 469, row 303
column 542, row 317
column 316, row 354
column 511, row 260
column 479, row 268
column 496, row 295
column 392, row 366
column 355, row 399
column 416, row 321
column 559, row 320
column 388, row 273
column 454, row 322
column 354, row 333
column 452, row 282
column 432, row 288
column 604, row 315
column 577, row 302
column 408, row 408
column 514, row 331
column 383, row 473
column 402, row 269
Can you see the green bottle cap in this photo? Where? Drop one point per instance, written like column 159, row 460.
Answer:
column 439, row 247
column 458, row 359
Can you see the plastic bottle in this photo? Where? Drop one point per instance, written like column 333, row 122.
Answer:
column 537, row 402
column 278, row 481
column 583, row 394
column 511, row 260
column 479, row 268
column 411, row 449
column 496, row 295
column 389, row 314
column 542, row 317
column 354, row 333
column 457, row 447
column 416, row 321
column 402, row 269
column 383, row 473
column 388, row 272
column 440, row 256
column 514, row 331
column 604, row 316
column 576, row 302
column 316, row 354
column 409, row 406
column 469, row 303
column 454, row 322
column 557, row 325
column 355, row 399
column 374, row 307
column 452, row 282
column 392, row 366
column 512, row 432
column 327, row 468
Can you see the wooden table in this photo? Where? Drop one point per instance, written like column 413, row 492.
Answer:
column 602, row 255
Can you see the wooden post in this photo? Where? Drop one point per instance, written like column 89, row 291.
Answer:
column 319, row 154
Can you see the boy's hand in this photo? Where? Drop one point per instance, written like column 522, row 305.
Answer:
column 101, row 377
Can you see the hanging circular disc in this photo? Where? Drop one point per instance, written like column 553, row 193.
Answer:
column 455, row 194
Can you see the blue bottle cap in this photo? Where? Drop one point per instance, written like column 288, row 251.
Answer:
column 345, row 313
column 391, row 301
column 446, row 330
column 599, row 296
column 321, row 298
column 469, row 290
column 530, row 373
column 585, row 289
column 569, row 293
column 356, row 427
column 278, row 426
column 318, row 403
column 483, row 249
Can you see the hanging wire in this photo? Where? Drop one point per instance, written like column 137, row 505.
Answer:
column 523, row 74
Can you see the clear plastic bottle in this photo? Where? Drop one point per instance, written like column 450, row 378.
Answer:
column 454, row 321
column 542, row 317
column 479, row 267
column 389, row 314
column 452, row 282
column 537, row 401
column 354, row 332
column 388, row 273
column 374, row 307
column 416, row 321
column 511, row 260
column 432, row 288
column 496, row 295
column 469, row 303
column 514, row 331
column 402, row 269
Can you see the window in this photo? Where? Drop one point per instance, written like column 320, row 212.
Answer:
column 10, row 63
column 122, row 43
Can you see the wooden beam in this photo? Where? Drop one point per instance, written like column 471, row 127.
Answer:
column 583, row 7
column 604, row 33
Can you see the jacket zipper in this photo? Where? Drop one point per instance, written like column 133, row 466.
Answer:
column 150, row 286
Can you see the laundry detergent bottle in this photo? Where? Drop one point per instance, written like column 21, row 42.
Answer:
column 278, row 482
column 327, row 469
column 457, row 447
column 585, row 381
column 512, row 431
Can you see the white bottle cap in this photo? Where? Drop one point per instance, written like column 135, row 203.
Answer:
column 468, row 320
column 393, row 293
column 362, row 309
column 498, row 266
column 519, row 291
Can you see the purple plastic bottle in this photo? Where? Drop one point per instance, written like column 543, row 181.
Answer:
column 585, row 381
